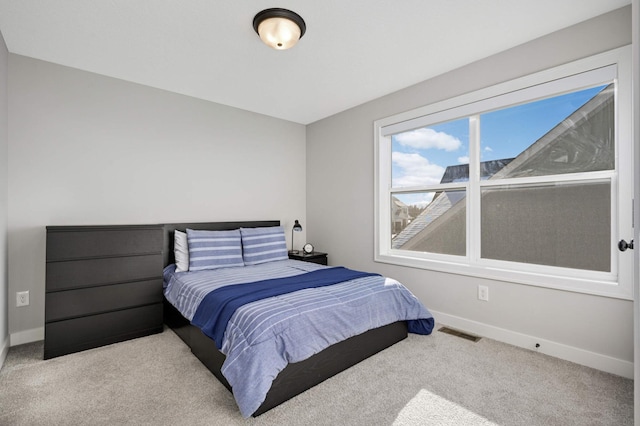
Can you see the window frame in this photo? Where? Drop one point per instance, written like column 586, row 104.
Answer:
column 606, row 67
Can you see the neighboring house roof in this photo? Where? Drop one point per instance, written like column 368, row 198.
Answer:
column 460, row 172
column 443, row 201
column 441, row 204
column 568, row 147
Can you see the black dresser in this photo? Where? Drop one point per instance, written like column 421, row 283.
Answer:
column 103, row 285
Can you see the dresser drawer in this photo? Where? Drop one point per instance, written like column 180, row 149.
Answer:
column 74, row 303
column 63, row 337
column 67, row 243
column 94, row 272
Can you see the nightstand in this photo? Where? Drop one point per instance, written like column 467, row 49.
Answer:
column 315, row 257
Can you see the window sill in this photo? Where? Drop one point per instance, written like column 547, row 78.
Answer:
column 599, row 284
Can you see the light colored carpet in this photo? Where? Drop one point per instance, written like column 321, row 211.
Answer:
column 423, row 380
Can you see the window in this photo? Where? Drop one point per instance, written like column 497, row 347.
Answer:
column 528, row 181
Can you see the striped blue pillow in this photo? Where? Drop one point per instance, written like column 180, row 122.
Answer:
column 214, row 249
column 260, row 245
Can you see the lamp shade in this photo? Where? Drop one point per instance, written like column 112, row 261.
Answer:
column 279, row 28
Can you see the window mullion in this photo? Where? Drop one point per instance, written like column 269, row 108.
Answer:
column 473, row 191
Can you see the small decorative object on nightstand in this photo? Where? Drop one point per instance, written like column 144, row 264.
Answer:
column 314, row 257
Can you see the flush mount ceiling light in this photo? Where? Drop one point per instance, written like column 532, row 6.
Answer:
column 279, row 28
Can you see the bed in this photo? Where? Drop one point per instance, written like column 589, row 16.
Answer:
column 288, row 367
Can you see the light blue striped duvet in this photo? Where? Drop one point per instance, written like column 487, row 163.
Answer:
column 264, row 336
column 185, row 290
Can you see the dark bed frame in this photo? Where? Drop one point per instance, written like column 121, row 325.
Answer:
column 296, row 377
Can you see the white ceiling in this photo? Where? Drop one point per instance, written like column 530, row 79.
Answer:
column 354, row 50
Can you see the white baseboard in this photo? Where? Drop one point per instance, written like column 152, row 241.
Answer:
column 569, row 353
column 27, row 336
column 547, row 347
column 4, row 350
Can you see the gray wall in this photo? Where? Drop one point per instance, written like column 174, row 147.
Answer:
column 88, row 149
column 340, row 206
column 4, row 324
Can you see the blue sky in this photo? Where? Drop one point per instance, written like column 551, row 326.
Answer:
column 420, row 156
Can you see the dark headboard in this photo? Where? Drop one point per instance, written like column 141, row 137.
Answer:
column 168, row 257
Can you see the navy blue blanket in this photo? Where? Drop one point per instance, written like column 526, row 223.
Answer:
column 217, row 307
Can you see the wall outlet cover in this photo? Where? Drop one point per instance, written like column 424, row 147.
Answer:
column 22, row 298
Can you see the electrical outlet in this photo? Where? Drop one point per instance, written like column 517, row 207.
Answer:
column 483, row 293
column 22, row 298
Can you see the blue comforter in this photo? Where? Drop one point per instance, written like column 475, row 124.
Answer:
column 263, row 336
column 216, row 309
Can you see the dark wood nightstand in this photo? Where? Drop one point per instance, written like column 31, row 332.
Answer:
column 315, row 257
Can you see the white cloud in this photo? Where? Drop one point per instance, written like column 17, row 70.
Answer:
column 463, row 160
column 421, row 199
column 415, row 170
column 488, row 148
column 428, row 138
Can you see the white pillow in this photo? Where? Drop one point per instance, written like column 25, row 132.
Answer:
column 181, row 251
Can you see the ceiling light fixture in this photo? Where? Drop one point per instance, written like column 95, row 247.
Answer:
column 279, row 28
